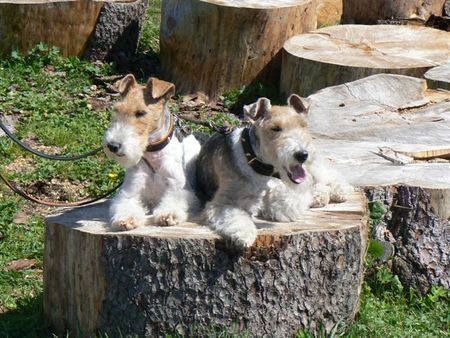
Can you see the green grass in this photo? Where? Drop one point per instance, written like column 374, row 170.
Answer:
column 149, row 40
column 20, row 291
column 52, row 96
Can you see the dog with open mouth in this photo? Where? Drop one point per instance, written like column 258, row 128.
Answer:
column 268, row 169
column 160, row 164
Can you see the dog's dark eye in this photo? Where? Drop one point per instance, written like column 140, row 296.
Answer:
column 276, row 128
column 140, row 114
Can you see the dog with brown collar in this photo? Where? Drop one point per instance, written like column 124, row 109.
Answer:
column 160, row 167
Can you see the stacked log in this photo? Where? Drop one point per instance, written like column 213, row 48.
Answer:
column 69, row 25
column 439, row 77
column 390, row 136
column 370, row 12
column 340, row 54
column 329, row 12
column 216, row 46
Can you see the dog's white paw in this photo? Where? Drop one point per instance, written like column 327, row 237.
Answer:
column 339, row 193
column 125, row 215
column 241, row 240
column 127, row 224
column 281, row 215
column 169, row 218
column 321, row 196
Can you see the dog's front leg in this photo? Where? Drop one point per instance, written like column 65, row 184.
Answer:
column 234, row 224
column 175, row 205
column 127, row 211
column 329, row 186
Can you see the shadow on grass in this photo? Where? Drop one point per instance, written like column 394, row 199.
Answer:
column 26, row 321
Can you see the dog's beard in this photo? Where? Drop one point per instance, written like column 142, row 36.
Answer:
column 131, row 149
column 292, row 172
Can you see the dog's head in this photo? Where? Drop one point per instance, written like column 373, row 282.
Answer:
column 139, row 113
column 282, row 136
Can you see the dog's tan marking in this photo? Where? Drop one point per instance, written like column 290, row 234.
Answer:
column 143, row 106
column 278, row 124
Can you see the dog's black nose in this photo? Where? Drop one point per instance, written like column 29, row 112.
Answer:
column 301, row 156
column 113, row 146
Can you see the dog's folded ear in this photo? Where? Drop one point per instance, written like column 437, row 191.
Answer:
column 159, row 88
column 261, row 108
column 126, row 84
column 299, row 104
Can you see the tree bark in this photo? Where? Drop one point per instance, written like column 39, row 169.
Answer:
column 217, row 46
column 390, row 135
column 418, row 220
column 156, row 281
column 65, row 24
column 339, row 54
column 439, row 77
column 369, row 11
column 116, row 34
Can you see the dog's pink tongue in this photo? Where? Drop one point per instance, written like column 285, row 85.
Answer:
column 298, row 174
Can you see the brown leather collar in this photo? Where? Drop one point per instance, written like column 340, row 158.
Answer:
column 161, row 143
column 258, row 166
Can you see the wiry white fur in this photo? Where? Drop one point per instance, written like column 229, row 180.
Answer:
column 132, row 146
column 167, row 190
column 238, row 200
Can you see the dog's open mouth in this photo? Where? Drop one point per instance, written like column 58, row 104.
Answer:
column 296, row 173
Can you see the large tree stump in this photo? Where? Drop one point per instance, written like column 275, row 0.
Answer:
column 339, row 54
column 70, row 25
column 218, row 45
column 391, row 136
column 155, row 281
column 439, row 77
column 369, row 11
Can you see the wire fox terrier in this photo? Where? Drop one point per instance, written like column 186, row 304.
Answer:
column 268, row 169
column 160, row 171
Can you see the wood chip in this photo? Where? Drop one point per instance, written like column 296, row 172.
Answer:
column 21, row 264
column 394, row 156
column 21, row 218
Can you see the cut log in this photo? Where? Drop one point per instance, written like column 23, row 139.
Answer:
column 369, row 11
column 218, row 45
column 70, row 24
column 439, row 77
column 329, row 12
column 117, row 31
column 353, row 121
column 155, row 281
column 339, row 54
